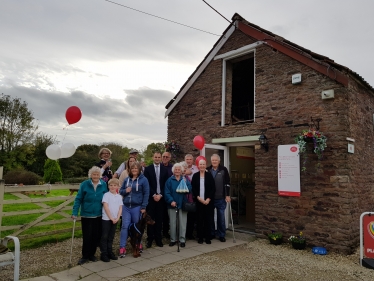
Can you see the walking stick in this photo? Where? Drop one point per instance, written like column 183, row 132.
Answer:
column 72, row 242
column 232, row 225
column 177, row 212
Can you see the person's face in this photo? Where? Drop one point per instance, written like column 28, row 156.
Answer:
column 95, row 176
column 135, row 171
column 113, row 187
column 202, row 165
column 134, row 155
column 189, row 160
column 215, row 162
column 131, row 161
column 165, row 158
column 157, row 158
column 177, row 171
column 105, row 155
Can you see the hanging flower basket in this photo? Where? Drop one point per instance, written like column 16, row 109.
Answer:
column 311, row 136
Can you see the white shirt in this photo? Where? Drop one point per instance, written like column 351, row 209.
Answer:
column 114, row 202
column 121, row 169
column 202, row 188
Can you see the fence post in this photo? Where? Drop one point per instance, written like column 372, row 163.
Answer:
column 2, row 190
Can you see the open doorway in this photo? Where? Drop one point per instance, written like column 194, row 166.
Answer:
column 242, row 172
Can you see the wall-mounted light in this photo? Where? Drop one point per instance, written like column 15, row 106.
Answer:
column 264, row 142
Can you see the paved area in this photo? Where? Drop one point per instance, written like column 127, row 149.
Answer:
column 124, row 267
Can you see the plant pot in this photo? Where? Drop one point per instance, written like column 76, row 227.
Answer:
column 298, row 246
column 277, row 241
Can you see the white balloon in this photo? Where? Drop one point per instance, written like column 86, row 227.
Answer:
column 53, row 152
column 67, row 150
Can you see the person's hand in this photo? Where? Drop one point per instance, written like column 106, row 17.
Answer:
column 228, row 199
column 173, row 204
column 73, row 217
column 157, row 198
column 188, row 171
column 128, row 189
column 114, row 220
column 142, row 211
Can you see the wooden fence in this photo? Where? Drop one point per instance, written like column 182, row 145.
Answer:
column 46, row 210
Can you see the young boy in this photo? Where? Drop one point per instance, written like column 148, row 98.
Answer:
column 112, row 210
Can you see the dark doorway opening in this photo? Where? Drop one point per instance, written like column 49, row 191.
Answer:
column 242, row 108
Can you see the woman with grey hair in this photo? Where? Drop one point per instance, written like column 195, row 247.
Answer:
column 105, row 163
column 174, row 200
column 88, row 200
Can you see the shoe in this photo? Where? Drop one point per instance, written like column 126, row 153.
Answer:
column 112, row 256
column 122, row 252
column 149, row 244
column 104, row 258
column 82, row 261
column 222, row 239
column 183, row 245
column 141, row 248
column 172, row 244
column 200, row 241
column 159, row 244
column 208, row 241
column 93, row 259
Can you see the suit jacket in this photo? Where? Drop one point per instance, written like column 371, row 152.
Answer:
column 150, row 174
column 210, row 187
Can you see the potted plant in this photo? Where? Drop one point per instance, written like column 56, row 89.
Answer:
column 298, row 242
column 311, row 136
column 275, row 238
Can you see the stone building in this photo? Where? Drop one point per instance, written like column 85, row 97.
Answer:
column 248, row 59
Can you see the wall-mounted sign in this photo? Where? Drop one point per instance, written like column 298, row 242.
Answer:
column 245, row 152
column 351, row 148
column 288, row 170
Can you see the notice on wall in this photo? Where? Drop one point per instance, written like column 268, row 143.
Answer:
column 288, row 170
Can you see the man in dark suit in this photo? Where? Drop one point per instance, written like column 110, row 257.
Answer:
column 157, row 175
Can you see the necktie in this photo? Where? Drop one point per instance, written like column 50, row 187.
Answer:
column 158, row 179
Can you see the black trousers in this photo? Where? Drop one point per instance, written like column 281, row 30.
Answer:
column 156, row 211
column 191, row 219
column 204, row 214
column 165, row 220
column 107, row 236
column 91, row 230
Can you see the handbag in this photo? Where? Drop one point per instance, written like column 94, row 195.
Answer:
column 189, row 207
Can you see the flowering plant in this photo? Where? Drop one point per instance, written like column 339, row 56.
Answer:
column 319, row 143
column 297, row 239
column 172, row 147
column 275, row 235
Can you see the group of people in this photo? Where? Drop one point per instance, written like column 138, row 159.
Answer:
column 134, row 189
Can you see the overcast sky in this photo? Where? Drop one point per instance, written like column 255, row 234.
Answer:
column 121, row 67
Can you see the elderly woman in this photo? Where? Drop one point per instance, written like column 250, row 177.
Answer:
column 105, row 163
column 126, row 171
column 203, row 189
column 135, row 192
column 88, row 200
column 174, row 200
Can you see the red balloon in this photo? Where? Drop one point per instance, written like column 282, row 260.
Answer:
column 199, row 142
column 73, row 114
column 198, row 158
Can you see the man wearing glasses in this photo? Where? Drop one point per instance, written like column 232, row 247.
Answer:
column 166, row 157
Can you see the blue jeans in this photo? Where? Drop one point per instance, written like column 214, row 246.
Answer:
column 220, row 206
column 129, row 215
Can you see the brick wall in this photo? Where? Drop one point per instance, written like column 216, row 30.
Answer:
column 332, row 195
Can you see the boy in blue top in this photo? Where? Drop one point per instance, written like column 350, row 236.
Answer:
column 112, row 210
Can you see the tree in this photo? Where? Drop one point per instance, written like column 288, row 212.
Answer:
column 52, row 171
column 17, row 129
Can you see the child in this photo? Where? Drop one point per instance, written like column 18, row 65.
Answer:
column 112, row 210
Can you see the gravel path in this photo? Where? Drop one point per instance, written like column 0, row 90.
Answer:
column 257, row 260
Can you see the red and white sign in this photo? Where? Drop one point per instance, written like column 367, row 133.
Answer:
column 288, row 170
column 368, row 226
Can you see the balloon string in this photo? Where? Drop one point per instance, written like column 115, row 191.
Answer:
column 67, row 128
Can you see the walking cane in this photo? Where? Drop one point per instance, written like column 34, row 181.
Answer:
column 72, row 242
column 232, row 224
column 177, row 212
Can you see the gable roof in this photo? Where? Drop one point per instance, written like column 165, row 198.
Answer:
column 316, row 61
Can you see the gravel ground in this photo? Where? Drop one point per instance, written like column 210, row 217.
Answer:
column 257, row 260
